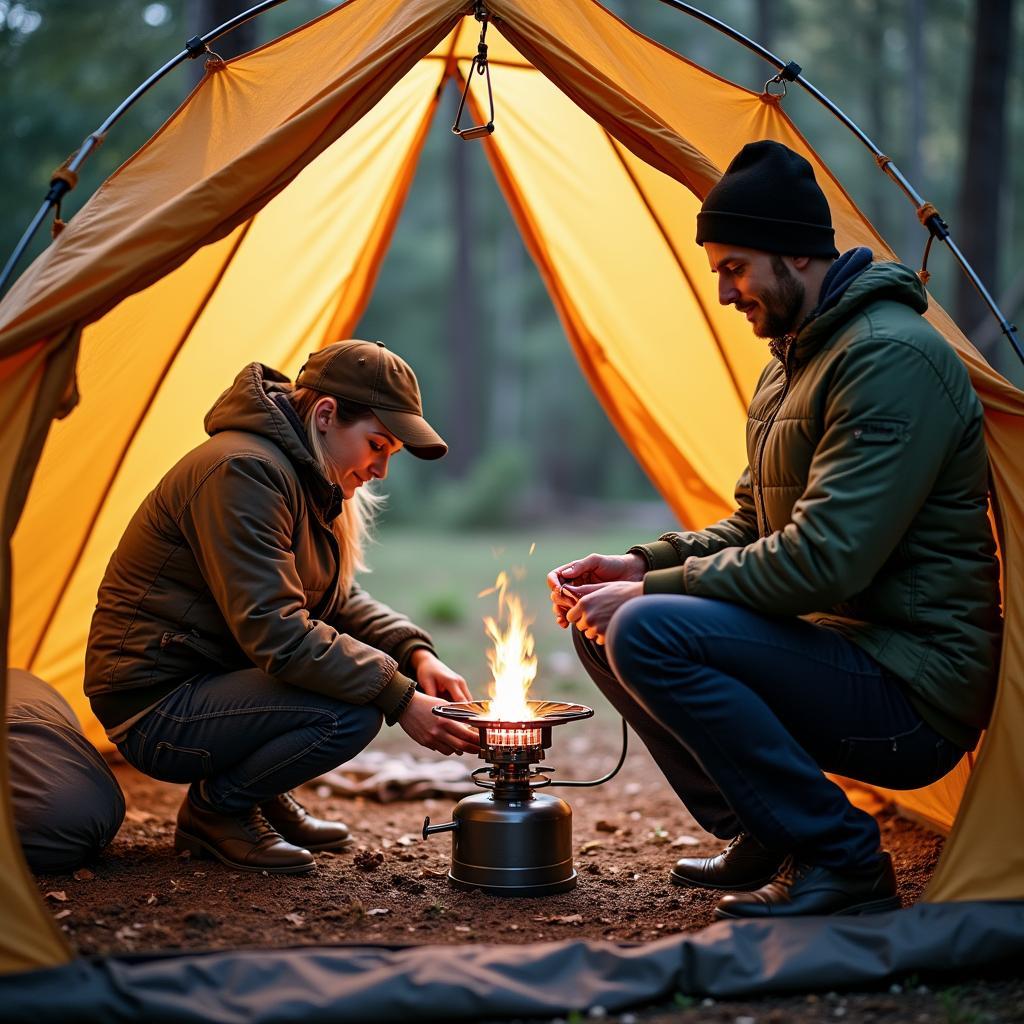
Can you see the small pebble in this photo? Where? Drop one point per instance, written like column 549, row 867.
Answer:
column 839, row 1011
column 597, row 1012
column 628, row 1018
column 895, row 989
column 923, row 990
column 745, row 1020
column 707, row 1002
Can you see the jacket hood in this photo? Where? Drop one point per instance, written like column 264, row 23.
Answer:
column 255, row 403
column 848, row 293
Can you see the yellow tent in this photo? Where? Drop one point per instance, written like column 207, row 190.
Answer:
column 252, row 225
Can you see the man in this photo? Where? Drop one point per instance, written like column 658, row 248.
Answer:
column 846, row 617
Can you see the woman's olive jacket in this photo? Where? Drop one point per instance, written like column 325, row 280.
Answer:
column 864, row 506
column 231, row 562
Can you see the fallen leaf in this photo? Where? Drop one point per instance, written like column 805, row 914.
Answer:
column 377, row 911
column 431, row 873
column 60, row 896
column 408, row 839
column 296, row 919
column 567, row 919
column 152, row 899
column 462, row 928
column 83, row 875
column 590, row 846
column 61, row 915
column 200, row 874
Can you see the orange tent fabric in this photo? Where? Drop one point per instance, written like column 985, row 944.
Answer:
column 252, row 224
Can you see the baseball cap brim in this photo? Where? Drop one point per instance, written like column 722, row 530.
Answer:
column 418, row 436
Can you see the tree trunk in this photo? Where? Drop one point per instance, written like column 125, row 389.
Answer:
column 464, row 363
column 978, row 225
column 872, row 21
column 204, row 15
column 765, row 23
column 914, row 235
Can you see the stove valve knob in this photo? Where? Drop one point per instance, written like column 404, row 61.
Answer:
column 429, row 830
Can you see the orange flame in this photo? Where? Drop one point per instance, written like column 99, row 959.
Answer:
column 513, row 663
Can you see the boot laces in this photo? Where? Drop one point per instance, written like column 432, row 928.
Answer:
column 734, row 842
column 791, row 871
column 291, row 804
column 257, row 824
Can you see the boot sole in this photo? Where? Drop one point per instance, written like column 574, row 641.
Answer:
column 344, row 844
column 750, row 886
column 197, row 848
column 870, row 907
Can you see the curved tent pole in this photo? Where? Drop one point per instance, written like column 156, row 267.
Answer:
column 930, row 218
column 927, row 213
column 66, row 176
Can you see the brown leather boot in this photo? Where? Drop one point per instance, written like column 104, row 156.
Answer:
column 298, row 826
column 247, row 842
column 744, row 865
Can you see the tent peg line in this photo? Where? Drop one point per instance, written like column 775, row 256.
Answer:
column 66, row 176
column 937, row 228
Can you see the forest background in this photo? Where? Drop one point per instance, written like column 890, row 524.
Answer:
column 934, row 83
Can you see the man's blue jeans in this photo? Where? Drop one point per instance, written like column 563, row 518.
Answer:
column 247, row 737
column 743, row 712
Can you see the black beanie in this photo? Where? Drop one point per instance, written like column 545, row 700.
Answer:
column 768, row 200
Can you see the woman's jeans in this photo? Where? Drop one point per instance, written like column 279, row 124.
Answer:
column 247, row 737
column 742, row 712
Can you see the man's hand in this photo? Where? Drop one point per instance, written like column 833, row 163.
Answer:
column 596, row 603
column 588, row 571
column 444, row 735
column 435, row 678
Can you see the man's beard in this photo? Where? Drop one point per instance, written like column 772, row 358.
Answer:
column 781, row 304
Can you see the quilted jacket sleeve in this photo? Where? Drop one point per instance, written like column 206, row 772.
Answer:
column 672, row 549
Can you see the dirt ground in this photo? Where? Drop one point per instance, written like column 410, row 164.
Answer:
column 391, row 888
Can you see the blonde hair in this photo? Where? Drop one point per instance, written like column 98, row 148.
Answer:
column 354, row 526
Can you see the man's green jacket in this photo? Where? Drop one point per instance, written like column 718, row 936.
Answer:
column 864, row 506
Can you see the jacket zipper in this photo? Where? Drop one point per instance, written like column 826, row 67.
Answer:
column 764, row 437
column 192, row 640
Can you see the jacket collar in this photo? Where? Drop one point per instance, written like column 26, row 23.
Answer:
column 257, row 402
column 853, row 282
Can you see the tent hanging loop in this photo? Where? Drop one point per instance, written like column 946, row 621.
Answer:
column 787, row 74
column 481, row 66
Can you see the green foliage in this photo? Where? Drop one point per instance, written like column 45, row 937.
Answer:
column 683, row 1001
column 954, row 1012
column 444, row 608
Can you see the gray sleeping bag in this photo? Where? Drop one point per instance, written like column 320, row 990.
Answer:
column 67, row 803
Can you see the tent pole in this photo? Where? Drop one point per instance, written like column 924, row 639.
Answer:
column 60, row 186
column 929, row 216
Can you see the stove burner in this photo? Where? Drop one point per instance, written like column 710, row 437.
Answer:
column 512, row 737
column 512, row 841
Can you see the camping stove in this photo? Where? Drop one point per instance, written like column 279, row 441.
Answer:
column 512, row 840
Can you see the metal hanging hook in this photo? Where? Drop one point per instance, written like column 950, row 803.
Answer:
column 481, row 66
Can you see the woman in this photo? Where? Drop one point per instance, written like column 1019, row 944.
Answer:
column 231, row 647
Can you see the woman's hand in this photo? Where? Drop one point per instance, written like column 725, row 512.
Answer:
column 435, row 678
column 588, row 571
column 596, row 603
column 444, row 735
